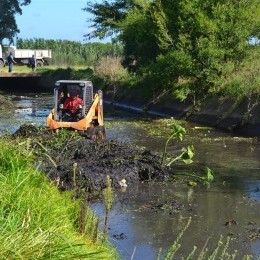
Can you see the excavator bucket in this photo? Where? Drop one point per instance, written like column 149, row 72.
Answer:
column 87, row 118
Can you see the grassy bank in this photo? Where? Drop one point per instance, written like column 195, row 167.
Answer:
column 66, row 71
column 37, row 221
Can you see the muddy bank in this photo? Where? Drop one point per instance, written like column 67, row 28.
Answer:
column 72, row 161
column 238, row 118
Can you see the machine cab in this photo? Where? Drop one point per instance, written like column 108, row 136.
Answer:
column 62, row 92
column 88, row 116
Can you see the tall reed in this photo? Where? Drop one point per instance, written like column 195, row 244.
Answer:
column 108, row 199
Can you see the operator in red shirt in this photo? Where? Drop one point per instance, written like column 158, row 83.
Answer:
column 73, row 104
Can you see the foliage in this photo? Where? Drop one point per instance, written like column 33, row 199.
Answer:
column 110, row 69
column 186, row 154
column 243, row 82
column 202, row 37
column 138, row 37
column 62, row 136
column 106, row 16
column 186, row 157
column 112, row 72
column 37, row 222
column 173, row 249
column 81, row 73
column 69, row 53
column 190, row 47
column 108, row 199
column 8, row 10
column 205, row 179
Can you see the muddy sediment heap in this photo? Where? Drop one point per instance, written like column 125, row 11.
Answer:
column 77, row 161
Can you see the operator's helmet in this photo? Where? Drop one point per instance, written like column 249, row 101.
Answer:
column 73, row 93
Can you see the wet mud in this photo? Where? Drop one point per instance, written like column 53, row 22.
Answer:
column 83, row 164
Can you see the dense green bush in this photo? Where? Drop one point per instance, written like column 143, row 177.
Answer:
column 195, row 48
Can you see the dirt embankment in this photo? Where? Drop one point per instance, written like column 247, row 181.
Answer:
column 239, row 118
column 77, row 162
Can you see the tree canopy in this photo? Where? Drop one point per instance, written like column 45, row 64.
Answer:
column 106, row 16
column 190, row 46
column 8, row 10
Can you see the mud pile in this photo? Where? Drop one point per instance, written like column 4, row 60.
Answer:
column 31, row 131
column 84, row 164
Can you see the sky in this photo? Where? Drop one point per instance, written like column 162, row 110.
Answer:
column 54, row 19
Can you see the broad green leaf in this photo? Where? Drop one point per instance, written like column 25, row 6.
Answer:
column 209, row 173
column 190, row 151
column 179, row 130
column 187, row 161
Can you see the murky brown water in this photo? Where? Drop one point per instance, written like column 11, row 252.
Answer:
column 140, row 231
column 234, row 195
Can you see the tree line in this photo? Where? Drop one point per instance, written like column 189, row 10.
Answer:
column 71, row 53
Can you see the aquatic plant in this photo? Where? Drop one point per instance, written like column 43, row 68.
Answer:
column 185, row 156
column 205, row 179
column 219, row 251
column 178, row 133
column 83, row 213
column 108, row 199
column 175, row 246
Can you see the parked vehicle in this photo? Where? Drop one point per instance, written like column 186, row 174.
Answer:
column 3, row 57
column 23, row 56
column 89, row 117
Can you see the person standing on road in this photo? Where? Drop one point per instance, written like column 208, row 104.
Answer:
column 33, row 63
column 11, row 61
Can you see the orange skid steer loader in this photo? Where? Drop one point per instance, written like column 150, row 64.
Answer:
column 87, row 114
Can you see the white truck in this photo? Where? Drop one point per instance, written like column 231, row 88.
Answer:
column 23, row 56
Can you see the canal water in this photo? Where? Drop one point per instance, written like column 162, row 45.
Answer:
column 146, row 219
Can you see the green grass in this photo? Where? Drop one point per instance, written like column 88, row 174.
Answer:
column 36, row 220
column 18, row 69
column 26, row 69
